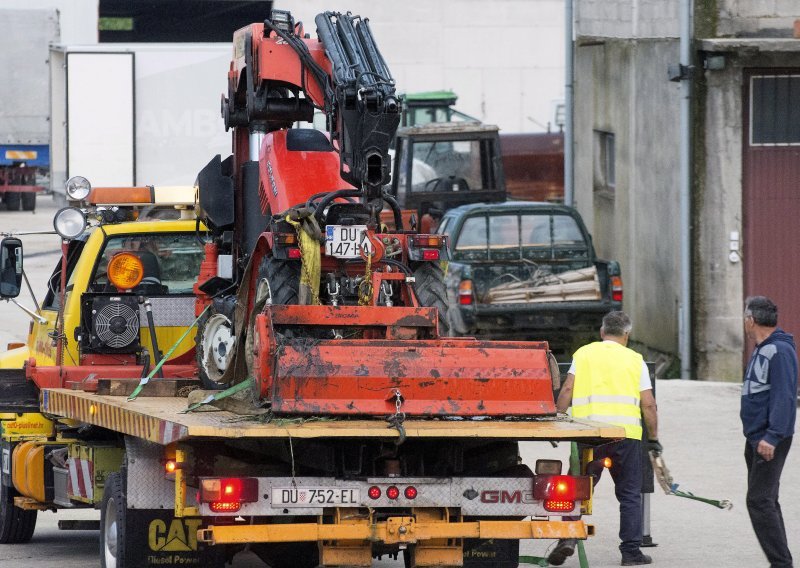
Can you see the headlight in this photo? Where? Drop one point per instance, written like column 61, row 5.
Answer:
column 69, row 222
column 78, row 188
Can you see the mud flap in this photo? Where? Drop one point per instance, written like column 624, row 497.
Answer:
column 157, row 538
column 491, row 553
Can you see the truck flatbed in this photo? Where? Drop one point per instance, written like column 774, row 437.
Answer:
column 159, row 420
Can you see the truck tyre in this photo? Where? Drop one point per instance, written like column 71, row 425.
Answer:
column 432, row 293
column 16, row 525
column 112, row 523
column 215, row 346
column 28, row 201
column 12, row 199
column 288, row 554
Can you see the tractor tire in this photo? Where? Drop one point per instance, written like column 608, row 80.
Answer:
column 28, row 201
column 432, row 293
column 215, row 346
column 12, row 200
column 16, row 525
column 112, row 523
column 283, row 279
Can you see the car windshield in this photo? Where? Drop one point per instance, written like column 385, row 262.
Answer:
column 171, row 261
column 510, row 230
column 447, row 166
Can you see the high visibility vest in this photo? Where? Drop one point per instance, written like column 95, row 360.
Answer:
column 607, row 386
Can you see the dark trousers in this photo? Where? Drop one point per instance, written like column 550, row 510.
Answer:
column 763, row 483
column 626, row 471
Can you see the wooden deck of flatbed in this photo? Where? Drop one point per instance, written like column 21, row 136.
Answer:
column 159, row 420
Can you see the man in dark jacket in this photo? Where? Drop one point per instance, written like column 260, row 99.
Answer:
column 768, row 417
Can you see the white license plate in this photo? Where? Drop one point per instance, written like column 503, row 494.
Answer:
column 346, row 241
column 314, row 496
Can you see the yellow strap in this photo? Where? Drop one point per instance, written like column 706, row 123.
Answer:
column 311, row 259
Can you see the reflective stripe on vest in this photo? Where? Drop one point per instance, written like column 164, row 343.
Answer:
column 607, row 386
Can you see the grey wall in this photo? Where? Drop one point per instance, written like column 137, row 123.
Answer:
column 622, row 88
column 742, row 18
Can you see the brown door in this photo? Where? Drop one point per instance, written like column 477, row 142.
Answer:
column 771, row 191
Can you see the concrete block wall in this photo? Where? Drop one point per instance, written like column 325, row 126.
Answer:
column 622, row 88
column 504, row 59
column 627, row 18
column 757, row 18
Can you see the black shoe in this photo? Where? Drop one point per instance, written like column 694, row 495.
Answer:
column 635, row 559
column 564, row 548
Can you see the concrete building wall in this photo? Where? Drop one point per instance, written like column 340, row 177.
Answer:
column 757, row 18
column 633, row 19
column 504, row 59
column 621, row 88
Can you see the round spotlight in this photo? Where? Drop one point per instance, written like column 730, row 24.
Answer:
column 78, row 188
column 69, row 222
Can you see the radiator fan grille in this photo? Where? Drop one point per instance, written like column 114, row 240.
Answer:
column 116, row 325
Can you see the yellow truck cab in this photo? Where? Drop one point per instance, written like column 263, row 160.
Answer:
column 158, row 227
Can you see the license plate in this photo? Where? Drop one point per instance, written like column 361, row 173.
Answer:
column 314, row 496
column 346, row 241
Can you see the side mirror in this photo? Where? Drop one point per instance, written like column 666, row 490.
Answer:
column 10, row 267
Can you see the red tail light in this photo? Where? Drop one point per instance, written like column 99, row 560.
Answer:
column 374, row 492
column 411, row 492
column 393, row 492
column 465, row 296
column 226, row 495
column 293, row 253
column 559, row 492
column 430, row 254
column 616, row 288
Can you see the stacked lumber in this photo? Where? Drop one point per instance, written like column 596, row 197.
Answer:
column 570, row 286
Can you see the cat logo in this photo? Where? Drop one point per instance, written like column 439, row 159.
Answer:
column 181, row 536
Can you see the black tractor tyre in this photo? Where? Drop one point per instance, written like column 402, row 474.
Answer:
column 28, row 201
column 283, row 278
column 112, row 523
column 16, row 525
column 432, row 293
column 12, row 200
column 212, row 353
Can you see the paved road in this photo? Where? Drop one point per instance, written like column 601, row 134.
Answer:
column 699, row 428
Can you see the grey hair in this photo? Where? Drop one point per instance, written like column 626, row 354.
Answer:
column 617, row 324
column 762, row 310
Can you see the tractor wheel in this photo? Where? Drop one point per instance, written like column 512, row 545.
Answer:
column 12, row 199
column 112, row 523
column 432, row 293
column 215, row 346
column 279, row 278
column 28, row 201
column 16, row 525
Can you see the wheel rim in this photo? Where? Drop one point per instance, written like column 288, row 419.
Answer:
column 110, row 535
column 263, row 292
column 218, row 344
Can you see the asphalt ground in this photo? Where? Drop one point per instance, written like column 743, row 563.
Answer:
column 699, row 428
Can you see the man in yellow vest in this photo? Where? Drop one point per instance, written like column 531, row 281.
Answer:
column 610, row 383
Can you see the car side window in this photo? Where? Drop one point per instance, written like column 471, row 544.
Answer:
column 473, row 234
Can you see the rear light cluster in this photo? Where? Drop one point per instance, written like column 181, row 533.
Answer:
column 226, row 495
column 288, row 241
column 616, row 288
column 559, row 492
column 392, row 492
column 427, row 247
column 465, row 295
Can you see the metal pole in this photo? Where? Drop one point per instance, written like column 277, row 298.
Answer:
column 256, row 137
column 569, row 104
column 684, row 326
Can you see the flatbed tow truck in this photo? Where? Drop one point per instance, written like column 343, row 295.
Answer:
column 340, row 423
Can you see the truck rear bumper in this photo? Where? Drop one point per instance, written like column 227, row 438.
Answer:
column 394, row 530
column 515, row 320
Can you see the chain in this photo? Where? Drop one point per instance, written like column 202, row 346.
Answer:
column 365, row 287
column 396, row 420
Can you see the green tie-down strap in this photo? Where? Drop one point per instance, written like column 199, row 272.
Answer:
column 244, row 385
column 166, row 356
